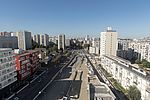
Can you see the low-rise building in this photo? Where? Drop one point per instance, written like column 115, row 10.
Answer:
column 127, row 74
column 100, row 90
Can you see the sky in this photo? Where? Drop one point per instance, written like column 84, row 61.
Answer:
column 76, row 18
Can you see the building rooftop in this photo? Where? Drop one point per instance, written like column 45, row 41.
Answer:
column 100, row 91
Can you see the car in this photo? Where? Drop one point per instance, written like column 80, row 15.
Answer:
column 16, row 98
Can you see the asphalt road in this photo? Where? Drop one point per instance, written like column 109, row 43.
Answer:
column 59, row 88
column 33, row 89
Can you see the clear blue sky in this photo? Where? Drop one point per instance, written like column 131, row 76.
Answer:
column 131, row 18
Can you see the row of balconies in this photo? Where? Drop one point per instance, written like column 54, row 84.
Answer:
column 7, row 65
column 25, row 74
column 7, row 71
column 24, row 70
column 5, row 54
column 24, row 62
column 6, row 59
column 7, row 82
column 7, row 76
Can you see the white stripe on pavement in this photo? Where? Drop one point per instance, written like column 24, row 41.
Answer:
column 22, row 88
column 37, row 77
column 10, row 96
column 52, row 80
column 25, row 86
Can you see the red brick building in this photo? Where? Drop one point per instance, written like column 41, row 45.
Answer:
column 26, row 64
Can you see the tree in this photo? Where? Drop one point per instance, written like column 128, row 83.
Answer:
column 134, row 93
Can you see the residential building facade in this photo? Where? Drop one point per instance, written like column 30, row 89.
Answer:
column 9, row 42
column 95, row 47
column 5, row 33
column 61, row 42
column 36, row 38
column 67, row 42
column 141, row 48
column 27, row 63
column 46, row 40
column 53, row 39
column 108, row 42
column 7, row 67
column 127, row 74
column 24, row 39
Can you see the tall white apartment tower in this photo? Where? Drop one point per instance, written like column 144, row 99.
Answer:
column 108, row 42
column 61, row 42
column 46, row 39
column 36, row 38
column 24, row 39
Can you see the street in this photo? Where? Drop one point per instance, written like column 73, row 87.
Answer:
column 35, row 87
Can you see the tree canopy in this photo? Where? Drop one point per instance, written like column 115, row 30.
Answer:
column 134, row 93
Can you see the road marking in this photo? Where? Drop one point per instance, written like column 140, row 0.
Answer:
column 37, row 77
column 25, row 86
column 52, row 79
column 10, row 96
column 22, row 88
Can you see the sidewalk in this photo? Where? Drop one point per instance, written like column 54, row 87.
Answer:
column 84, row 92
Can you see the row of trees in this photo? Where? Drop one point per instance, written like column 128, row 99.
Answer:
column 144, row 63
column 50, row 47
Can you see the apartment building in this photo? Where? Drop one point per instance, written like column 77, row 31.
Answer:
column 7, row 67
column 36, row 38
column 9, row 42
column 44, row 39
column 24, row 39
column 127, row 74
column 53, row 39
column 27, row 63
column 34, row 60
column 61, row 42
column 108, row 42
column 23, row 66
column 5, row 33
column 67, row 42
column 123, row 50
column 95, row 47
column 141, row 48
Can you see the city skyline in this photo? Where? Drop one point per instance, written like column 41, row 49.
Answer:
column 74, row 18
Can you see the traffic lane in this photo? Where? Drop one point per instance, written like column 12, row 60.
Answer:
column 48, row 81
column 36, row 86
column 58, row 88
column 55, row 91
column 26, row 89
